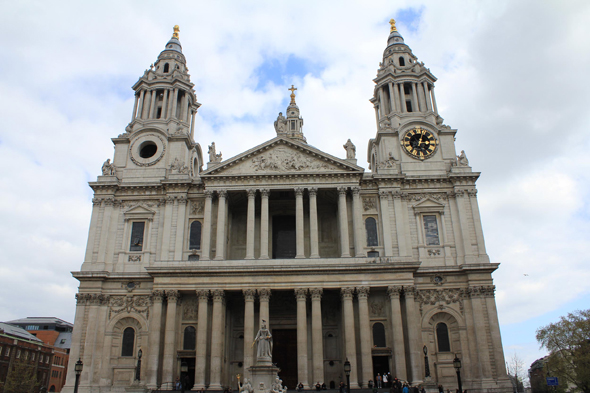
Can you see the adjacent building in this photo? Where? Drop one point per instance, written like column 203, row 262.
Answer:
column 187, row 253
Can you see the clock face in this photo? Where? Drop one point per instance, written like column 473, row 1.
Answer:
column 419, row 143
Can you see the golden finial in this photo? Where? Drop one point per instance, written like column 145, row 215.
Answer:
column 392, row 23
column 177, row 29
column 292, row 94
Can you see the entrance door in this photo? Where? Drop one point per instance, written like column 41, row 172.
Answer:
column 284, row 355
column 190, row 375
column 283, row 237
column 380, row 365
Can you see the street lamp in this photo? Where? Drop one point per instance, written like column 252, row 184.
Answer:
column 457, row 365
column 78, row 370
column 183, row 371
column 347, row 372
column 138, row 368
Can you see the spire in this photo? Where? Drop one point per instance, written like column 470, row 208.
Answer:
column 290, row 126
column 174, row 43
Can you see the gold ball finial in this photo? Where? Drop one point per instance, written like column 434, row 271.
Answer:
column 392, row 23
column 176, row 30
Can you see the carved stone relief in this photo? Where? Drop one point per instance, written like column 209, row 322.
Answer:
column 440, row 297
column 189, row 309
column 369, row 203
column 139, row 304
column 376, row 308
column 197, row 207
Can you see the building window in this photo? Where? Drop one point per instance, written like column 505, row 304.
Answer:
column 137, row 229
column 402, row 62
column 18, row 353
column 442, row 337
column 190, row 338
column 379, row 335
column 431, row 230
column 128, row 341
column 373, row 254
column 195, row 236
column 7, row 352
column 371, row 228
column 292, row 124
column 166, row 67
column 193, row 258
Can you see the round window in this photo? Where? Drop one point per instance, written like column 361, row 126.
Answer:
column 147, row 149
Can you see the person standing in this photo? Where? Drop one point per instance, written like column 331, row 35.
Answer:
column 385, row 379
column 379, row 381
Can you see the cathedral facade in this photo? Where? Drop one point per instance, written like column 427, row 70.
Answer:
column 188, row 252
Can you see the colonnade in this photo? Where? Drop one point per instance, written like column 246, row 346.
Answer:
column 221, row 238
column 310, row 364
column 392, row 98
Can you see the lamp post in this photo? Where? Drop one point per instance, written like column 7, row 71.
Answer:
column 183, row 371
column 426, row 366
column 138, row 368
column 457, row 365
column 78, row 370
column 347, row 372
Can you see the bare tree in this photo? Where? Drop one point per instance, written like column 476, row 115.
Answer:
column 516, row 372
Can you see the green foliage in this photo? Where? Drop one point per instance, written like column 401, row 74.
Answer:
column 568, row 342
column 21, row 379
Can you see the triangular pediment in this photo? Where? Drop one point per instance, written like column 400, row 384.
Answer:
column 282, row 156
column 428, row 205
column 138, row 211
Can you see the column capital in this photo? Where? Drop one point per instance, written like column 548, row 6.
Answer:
column 384, row 194
column 362, row 292
column 342, row 190
column 265, row 192
column 356, row 191
column 482, row 291
column 313, row 191
column 251, row 193
column 218, row 295
column 264, row 294
column 472, row 193
column 221, row 193
column 347, row 293
column 394, row 291
column 249, row 294
column 301, row 294
column 202, row 294
column 158, row 295
column 172, row 296
column 208, row 194
column 316, row 293
column 299, row 191
column 410, row 291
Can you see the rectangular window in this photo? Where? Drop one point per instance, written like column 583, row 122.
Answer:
column 292, row 124
column 18, row 353
column 7, row 353
column 431, row 230
column 33, row 356
column 137, row 229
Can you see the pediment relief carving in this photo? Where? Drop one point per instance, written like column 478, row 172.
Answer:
column 428, row 205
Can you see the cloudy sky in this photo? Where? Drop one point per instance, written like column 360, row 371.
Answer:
column 510, row 79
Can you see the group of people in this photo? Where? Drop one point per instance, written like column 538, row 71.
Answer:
column 395, row 385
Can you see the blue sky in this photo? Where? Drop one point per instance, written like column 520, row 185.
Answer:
column 508, row 79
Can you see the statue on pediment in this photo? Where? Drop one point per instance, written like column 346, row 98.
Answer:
column 213, row 156
column 280, row 123
column 108, row 169
column 462, row 159
column 350, row 150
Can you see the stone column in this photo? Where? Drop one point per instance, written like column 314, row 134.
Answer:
column 421, row 98
column 147, row 98
column 174, row 102
column 250, row 224
column 172, row 94
column 299, row 222
column 317, row 334
column 301, row 295
column 483, row 346
column 220, row 247
column 183, row 107
column 349, row 335
column 462, row 204
column 193, row 113
column 164, row 114
column 153, row 363
column 473, row 369
column 313, row 223
column 402, row 96
column 264, row 297
column 433, row 100
column 201, row 349
column 427, row 96
column 399, row 350
column 400, row 222
column 77, row 344
column 495, row 329
column 153, row 103
column 180, row 227
column 140, row 107
column 206, row 246
column 105, row 229
column 415, row 105
column 94, row 303
column 376, row 116
column 481, row 245
column 135, row 107
column 365, row 336
column 217, row 340
column 343, row 215
column 394, row 94
column 165, row 251
column 248, row 329
column 170, row 337
column 357, row 223
column 265, row 193
column 386, row 224
column 383, row 104
column 413, row 335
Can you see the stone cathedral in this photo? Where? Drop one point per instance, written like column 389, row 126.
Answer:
column 188, row 252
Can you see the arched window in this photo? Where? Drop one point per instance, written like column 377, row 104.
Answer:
column 128, row 342
column 379, row 335
column 166, row 67
column 402, row 62
column 195, row 236
column 371, row 227
column 190, row 338
column 442, row 337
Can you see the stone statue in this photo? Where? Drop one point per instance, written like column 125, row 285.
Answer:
column 264, row 343
column 178, row 166
column 108, row 169
column 246, row 387
column 213, row 157
column 280, row 123
column 277, row 386
column 350, row 150
column 462, row 159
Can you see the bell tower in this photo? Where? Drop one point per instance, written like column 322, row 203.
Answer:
column 159, row 141
column 290, row 126
column 411, row 137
